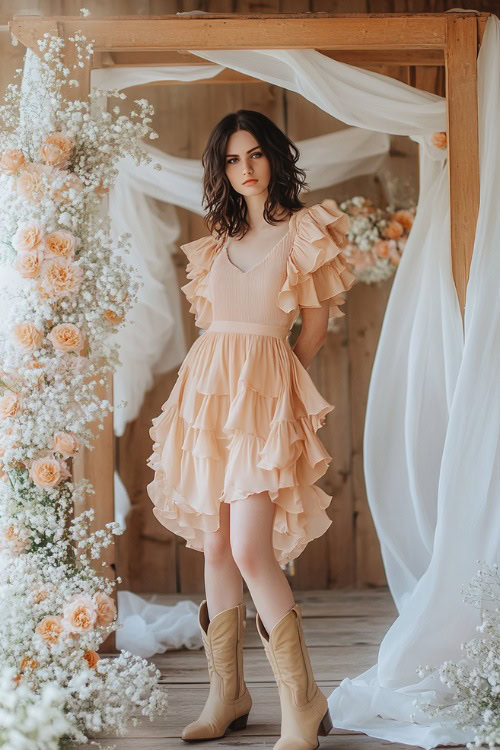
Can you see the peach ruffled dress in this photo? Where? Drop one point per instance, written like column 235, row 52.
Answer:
column 243, row 414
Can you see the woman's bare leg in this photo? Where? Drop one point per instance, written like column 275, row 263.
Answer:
column 223, row 581
column 251, row 525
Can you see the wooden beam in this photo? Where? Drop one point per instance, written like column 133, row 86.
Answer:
column 264, row 31
column 360, row 58
column 463, row 145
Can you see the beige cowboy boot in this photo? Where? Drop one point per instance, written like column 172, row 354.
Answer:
column 304, row 708
column 229, row 702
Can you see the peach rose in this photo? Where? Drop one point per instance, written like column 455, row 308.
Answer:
column 11, row 539
column 112, row 317
column 9, row 404
column 73, row 362
column 382, row 248
column 66, row 337
column 11, row 160
column 106, row 608
column 50, row 628
column 28, row 236
column 100, row 189
column 48, row 472
column 40, row 596
column 30, row 182
column 28, row 264
column 65, row 443
column 57, row 149
column 35, row 364
column 357, row 258
column 393, row 230
column 60, row 278
column 28, row 663
column 91, row 657
column 439, row 139
column 405, row 218
column 27, row 336
column 80, row 615
column 62, row 243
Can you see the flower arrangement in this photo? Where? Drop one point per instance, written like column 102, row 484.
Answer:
column 28, row 719
column 57, row 160
column 475, row 680
column 376, row 238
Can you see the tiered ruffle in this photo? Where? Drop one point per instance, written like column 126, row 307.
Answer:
column 316, row 267
column 241, row 418
column 200, row 254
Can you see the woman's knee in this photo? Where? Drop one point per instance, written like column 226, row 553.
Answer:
column 251, row 556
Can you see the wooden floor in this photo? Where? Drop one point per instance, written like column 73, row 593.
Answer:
column 342, row 631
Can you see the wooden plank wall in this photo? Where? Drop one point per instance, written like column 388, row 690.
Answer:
column 149, row 557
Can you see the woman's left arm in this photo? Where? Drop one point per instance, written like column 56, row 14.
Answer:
column 313, row 333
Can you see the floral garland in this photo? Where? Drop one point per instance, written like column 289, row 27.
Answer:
column 55, row 348
column 376, row 238
column 475, row 680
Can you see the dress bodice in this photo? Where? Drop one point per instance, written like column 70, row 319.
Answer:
column 305, row 268
column 250, row 296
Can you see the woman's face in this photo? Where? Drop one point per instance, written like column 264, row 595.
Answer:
column 245, row 160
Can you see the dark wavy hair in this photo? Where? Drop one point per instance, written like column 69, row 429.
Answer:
column 226, row 208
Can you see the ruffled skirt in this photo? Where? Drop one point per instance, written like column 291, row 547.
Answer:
column 241, row 418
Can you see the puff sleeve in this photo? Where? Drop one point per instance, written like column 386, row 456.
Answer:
column 200, row 254
column 316, row 267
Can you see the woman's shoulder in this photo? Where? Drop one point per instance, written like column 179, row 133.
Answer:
column 324, row 217
column 201, row 250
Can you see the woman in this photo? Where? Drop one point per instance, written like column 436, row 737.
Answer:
column 235, row 449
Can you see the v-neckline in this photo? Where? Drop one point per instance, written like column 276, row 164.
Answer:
column 225, row 249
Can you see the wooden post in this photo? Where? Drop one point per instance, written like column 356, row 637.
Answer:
column 463, row 144
column 96, row 465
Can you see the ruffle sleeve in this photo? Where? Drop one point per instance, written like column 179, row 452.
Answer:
column 200, row 254
column 316, row 266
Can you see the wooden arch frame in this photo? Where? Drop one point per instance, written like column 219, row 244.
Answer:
column 451, row 40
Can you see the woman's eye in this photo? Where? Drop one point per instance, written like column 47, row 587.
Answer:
column 233, row 158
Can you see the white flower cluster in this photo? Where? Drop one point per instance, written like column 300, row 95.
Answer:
column 475, row 680
column 29, row 719
column 56, row 347
column 376, row 238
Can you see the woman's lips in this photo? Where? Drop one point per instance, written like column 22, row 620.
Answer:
column 247, row 182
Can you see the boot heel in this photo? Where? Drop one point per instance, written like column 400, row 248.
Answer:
column 239, row 723
column 326, row 724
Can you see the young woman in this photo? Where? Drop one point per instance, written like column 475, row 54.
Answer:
column 235, row 451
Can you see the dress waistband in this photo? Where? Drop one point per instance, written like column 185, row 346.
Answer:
column 241, row 326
